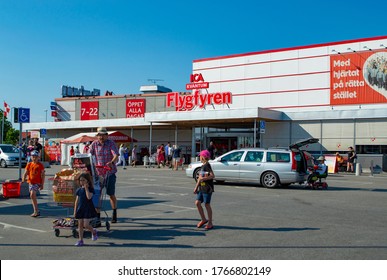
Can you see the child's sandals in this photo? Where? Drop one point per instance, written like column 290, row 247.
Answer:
column 34, row 215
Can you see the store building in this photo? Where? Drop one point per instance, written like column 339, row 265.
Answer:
column 336, row 92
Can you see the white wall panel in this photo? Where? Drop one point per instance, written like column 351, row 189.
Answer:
column 206, row 64
column 317, row 97
column 264, row 57
column 302, row 130
column 316, row 64
column 338, row 130
column 371, row 129
column 252, row 101
column 284, row 99
column 260, row 85
column 288, row 67
column 313, row 51
column 284, row 55
column 257, row 70
column 233, row 73
column 321, row 80
column 284, row 83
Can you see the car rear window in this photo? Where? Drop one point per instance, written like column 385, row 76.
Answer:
column 277, row 157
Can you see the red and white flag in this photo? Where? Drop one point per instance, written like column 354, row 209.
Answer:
column 7, row 109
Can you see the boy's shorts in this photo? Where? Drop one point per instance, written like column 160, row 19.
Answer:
column 34, row 187
column 110, row 184
column 204, row 197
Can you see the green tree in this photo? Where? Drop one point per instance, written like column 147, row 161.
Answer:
column 13, row 136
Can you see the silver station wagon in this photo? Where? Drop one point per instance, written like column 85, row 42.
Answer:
column 9, row 156
column 268, row 167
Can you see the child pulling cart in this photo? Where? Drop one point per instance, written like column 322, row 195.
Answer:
column 64, row 190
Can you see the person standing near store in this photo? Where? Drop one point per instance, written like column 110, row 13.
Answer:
column 134, row 156
column 211, row 148
column 72, row 151
column 176, row 154
column 121, row 158
column 38, row 147
column 351, row 159
column 105, row 153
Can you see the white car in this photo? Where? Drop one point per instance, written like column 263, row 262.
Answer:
column 268, row 167
column 9, row 156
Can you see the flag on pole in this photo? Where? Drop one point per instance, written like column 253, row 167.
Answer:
column 7, row 109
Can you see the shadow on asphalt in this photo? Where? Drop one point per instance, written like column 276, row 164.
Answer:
column 298, row 187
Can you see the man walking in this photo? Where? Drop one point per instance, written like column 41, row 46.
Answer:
column 105, row 153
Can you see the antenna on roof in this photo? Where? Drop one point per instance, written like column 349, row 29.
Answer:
column 154, row 80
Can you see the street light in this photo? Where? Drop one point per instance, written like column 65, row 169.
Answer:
column 46, row 114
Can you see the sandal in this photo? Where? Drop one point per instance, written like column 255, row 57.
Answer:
column 201, row 223
column 34, row 215
column 207, row 227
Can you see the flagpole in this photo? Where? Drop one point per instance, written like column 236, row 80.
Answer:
column 2, row 130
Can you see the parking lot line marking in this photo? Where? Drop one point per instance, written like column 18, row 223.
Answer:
column 176, row 206
column 19, row 227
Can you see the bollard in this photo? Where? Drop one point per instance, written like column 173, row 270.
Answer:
column 358, row 169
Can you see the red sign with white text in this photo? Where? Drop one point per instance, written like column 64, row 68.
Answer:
column 135, row 108
column 89, row 110
column 359, row 78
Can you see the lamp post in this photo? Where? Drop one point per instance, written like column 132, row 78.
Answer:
column 46, row 114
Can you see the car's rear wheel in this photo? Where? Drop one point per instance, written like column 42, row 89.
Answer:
column 3, row 164
column 270, row 179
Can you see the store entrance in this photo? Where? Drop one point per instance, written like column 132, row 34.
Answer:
column 224, row 144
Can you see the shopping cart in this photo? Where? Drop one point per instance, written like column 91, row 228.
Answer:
column 101, row 181
column 64, row 187
column 150, row 161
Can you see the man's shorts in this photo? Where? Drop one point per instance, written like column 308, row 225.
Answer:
column 204, row 197
column 34, row 187
column 110, row 184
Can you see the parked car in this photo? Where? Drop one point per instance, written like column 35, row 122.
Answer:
column 268, row 167
column 9, row 156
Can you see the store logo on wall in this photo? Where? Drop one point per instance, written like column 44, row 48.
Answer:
column 135, row 108
column 359, row 78
column 184, row 102
column 188, row 102
column 197, row 82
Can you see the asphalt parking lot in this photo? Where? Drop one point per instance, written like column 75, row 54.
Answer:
column 157, row 220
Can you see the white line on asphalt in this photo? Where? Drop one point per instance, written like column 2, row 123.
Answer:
column 25, row 228
column 176, row 206
column 9, row 203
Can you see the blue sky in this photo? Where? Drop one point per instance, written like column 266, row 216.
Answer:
column 119, row 45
